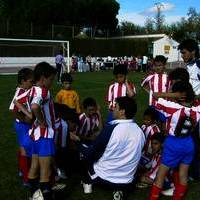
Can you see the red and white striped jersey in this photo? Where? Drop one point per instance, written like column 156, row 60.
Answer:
column 149, row 131
column 41, row 97
column 174, row 112
column 157, row 83
column 117, row 90
column 18, row 92
column 61, row 133
column 88, row 124
column 155, row 165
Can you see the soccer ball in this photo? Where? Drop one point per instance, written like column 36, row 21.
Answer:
column 38, row 195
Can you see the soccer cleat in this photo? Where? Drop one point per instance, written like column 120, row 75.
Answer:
column 169, row 192
column 117, row 195
column 87, row 188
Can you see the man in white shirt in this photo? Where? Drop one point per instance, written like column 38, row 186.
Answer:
column 144, row 63
column 190, row 53
column 114, row 156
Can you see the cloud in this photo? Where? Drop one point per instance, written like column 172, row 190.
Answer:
column 163, row 7
column 132, row 17
column 173, row 19
column 140, row 19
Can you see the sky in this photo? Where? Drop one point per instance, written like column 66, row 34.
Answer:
column 137, row 11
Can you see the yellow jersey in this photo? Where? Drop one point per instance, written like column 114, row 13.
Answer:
column 69, row 98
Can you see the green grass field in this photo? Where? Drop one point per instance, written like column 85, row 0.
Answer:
column 87, row 84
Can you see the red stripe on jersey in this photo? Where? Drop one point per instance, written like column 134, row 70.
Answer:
column 155, row 164
column 149, row 131
column 44, row 93
column 160, row 82
column 151, row 86
column 119, row 91
column 174, row 113
column 21, row 91
column 18, row 92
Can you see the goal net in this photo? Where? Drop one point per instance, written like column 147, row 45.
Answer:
column 16, row 53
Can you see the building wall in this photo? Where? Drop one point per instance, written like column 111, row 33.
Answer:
column 168, row 48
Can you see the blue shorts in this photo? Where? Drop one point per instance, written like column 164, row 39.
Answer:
column 23, row 138
column 44, row 147
column 177, row 150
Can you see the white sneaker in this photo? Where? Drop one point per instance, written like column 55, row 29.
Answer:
column 38, row 195
column 168, row 192
column 87, row 188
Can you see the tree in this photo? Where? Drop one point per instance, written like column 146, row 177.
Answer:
column 193, row 24
column 149, row 25
column 129, row 28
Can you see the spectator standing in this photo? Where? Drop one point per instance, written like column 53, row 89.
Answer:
column 60, row 61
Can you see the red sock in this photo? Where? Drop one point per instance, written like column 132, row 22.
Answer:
column 180, row 191
column 155, row 192
column 175, row 177
column 25, row 168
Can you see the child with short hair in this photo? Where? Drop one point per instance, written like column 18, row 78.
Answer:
column 90, row 125
column 90, row 121
column 22, row 123
column 178, row 148
column 158, row 81
column 42, row 131
column 67, row 95
column 120, row 88
column 149, row 128
column 156, row 143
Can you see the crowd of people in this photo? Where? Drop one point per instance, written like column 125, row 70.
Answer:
column 57, row 135
column 93, row 63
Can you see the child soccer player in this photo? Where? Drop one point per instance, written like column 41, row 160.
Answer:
column 156, row 143
column 67, row 95
column 22, row 123
column 158, row 81
column 120, row 88
column 90, row 121
column 90, row 125
column 149, row 128
column 178, row 148
column 42, row 131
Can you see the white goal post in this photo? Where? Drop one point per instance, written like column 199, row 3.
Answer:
column 11, row 42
